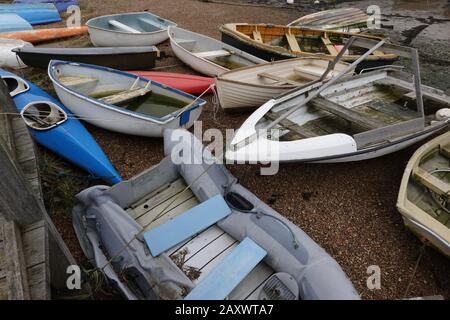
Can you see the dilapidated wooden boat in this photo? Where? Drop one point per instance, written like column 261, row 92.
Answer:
column 423, row 199
column 276, row 42
column 252, row 86
column 128, row 30
column 343, row 19
column 120, row 101
column 348, row 118
column 207, row 55
column 121, row 58
column 187, row 230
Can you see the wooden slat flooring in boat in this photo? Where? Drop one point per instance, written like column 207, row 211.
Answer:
column 74, row 81
column 203, row 251
column 292, row 126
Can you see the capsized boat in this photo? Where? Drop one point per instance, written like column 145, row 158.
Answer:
column 7, row 57
column 53, row 126
column 188, row 83
column 128, row 30
column 186, row 229
column 276, row 42
column 250, row 87
column 36, row 13
column 122, row 102
column 343, row 19
column 207, row 55
column 114, row 57
column 43, row 35
column 61, row 5
column 424, row 191
column 348, row 118
column 12, row 22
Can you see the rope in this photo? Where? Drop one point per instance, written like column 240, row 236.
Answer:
column 422, row 250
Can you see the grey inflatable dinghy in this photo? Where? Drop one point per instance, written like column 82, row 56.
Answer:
column 191, row 231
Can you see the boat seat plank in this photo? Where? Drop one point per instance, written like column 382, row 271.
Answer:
column 278, row 80
column 149, row 23
column 122, row 27
column 430, row 181
column 221, row 281
column 345, row 113
column 257, row 36
column 331, row 49
column 125, row 96
column 310, row 72
column 186, row 225
column 292, row 41
column 213, row 54
column 445, row 150
column 429, row 95
column 73, row 81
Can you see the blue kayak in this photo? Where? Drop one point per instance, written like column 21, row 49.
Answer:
column 53, row 126
column 38, row 13
column 10, row 22
column 61, row 5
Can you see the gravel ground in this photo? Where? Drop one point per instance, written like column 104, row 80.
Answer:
column 349, row 209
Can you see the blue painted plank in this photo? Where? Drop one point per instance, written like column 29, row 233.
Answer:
column 218, row 284
column 186, row 225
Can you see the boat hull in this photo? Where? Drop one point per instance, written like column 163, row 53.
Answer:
column 70, row 139
column 43, row 35
column 40, row 13
column 10, row 22
column 61, row 5
column 117, row 58
column 103, row 36
column 7, row 57
column 118, row 119
column 185, row 82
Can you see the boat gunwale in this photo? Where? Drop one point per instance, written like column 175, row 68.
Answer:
column 161, row 120
column 108, row 51
column 88, row 24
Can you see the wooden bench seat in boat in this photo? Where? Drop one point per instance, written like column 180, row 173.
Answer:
column 431, row 182
column 213, row 54
column 149, row 22
column 278, row 80
column 288, row 124
column 347, row 114
column 122, row 27
column 77, row 81
column 125, row 96
column 310, row 72
column 186, row 225
column 428, row 95
column 226, row 276
column 257, row 36
column 331, row 49
column 292, row 41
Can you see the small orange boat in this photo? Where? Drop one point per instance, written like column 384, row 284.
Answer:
column 41, row 35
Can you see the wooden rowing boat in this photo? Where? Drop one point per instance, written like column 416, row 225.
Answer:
column 207, row 55
column 424, row 191
column 276, row 42
column 252, row 86
column 43, row 35
column 128, row 30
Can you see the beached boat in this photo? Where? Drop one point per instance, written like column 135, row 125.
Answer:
column 128, row 30
column 343, row 19
column 348, row 118
column 185, row 82
column 207, row 55
column 185, row 230
column 114, row 57
column 61, row 5
column 252, row 86
column 424, row 191
column 38, row 13
column 53, row 126
column 276, row 42
column 12, row 22
column 43, row 35
column 7, row 57
column 120, row 101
